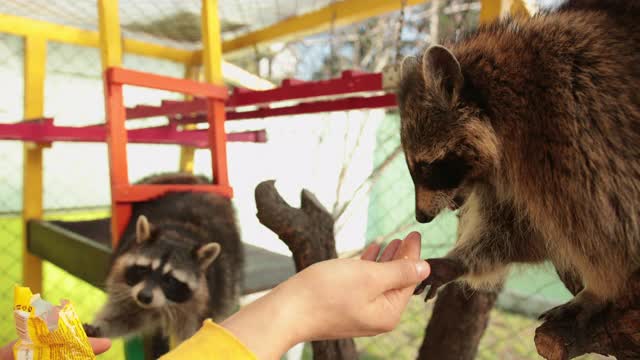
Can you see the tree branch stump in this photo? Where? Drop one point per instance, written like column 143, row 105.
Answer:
column 459, row 319
column 615, row 331
column 308, row 232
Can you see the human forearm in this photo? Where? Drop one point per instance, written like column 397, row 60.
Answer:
column 276, row 324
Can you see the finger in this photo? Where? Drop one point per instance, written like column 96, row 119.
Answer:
column 371, row 252
column 410, row 251
column 402, row 274
column 100, row 345
column 410, row 248
column 390, row 251
column 406, row 270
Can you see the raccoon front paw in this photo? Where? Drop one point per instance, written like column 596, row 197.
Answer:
column 443, row 271
column 92, row 331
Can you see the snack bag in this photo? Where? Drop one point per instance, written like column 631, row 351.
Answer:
column 47, row 332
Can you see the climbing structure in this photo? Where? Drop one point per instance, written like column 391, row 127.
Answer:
column 123, row 194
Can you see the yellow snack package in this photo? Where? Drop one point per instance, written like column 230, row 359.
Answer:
column 47, row 332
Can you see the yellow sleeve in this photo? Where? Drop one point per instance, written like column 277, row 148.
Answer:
column 210, row 342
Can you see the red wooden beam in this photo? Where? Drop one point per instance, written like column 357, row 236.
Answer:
column 120, row 76
column 44, row 131
column 167, row 108
column 350, row 83
column 345, row 104
column 135, row 193
column 353, row 103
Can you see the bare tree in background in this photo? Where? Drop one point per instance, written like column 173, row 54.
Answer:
column 370, row 46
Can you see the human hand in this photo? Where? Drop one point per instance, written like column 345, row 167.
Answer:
column 344, row 298
column 99, row 346
column 332, row 299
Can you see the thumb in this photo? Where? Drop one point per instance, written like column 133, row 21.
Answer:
column 402, row 273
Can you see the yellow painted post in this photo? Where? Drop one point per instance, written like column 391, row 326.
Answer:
column 110, row 38
column 211, row 42
column 518, row 8
column 493, row 9
column 187, row 153
column 490, row 10
column 35, row 59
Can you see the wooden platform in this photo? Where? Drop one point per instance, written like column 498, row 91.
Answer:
column 83, row 248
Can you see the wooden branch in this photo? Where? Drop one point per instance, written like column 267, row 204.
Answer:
column 308, row 232
column 615, row 331
column 460, row 317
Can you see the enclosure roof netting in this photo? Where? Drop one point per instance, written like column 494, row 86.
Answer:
column 174, row 23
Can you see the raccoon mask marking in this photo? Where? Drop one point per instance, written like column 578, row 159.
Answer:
column 154, row 281
column 460, row 144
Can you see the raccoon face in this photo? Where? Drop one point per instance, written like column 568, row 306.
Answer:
column 447, row 141
column 162, row 269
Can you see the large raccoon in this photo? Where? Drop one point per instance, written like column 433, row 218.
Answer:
column 532, row 126
column 179, row 261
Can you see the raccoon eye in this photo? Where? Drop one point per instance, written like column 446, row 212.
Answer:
column 444, row 174
column 174, row 289
column 136, row 273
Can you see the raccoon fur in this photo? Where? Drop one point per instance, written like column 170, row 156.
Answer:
column 179, row 262
column 532, row 127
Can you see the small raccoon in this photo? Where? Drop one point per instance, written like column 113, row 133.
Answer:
column 179, row 261
column 532, row 127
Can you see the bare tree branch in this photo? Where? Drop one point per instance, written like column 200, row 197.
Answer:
column 367, row 184
column 346, row 163
column 459, row 319
column 308, row 232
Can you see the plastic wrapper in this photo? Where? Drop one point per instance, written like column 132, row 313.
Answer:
column 47, row 332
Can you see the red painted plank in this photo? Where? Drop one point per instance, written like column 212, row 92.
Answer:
column 345, row 104
column 44, row 132
column 122, row 76
column 168, row 108
column 135, row 193
column 352, row 83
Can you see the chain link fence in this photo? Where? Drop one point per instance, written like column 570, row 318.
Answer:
column 352, row 160
column 11, row 49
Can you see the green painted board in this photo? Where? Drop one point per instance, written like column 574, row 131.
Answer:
column 134, row 349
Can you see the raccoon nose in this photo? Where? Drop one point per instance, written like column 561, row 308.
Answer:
column 423, row 218
column 145, row 296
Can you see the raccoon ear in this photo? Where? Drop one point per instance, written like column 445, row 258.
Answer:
column 408, row 63
column 439, row 63
column 206, row 254
column 143, row 229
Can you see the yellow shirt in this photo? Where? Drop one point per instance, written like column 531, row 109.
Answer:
column 211, row 342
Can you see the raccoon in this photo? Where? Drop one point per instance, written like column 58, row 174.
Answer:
column 179, row 261
column 531, row 127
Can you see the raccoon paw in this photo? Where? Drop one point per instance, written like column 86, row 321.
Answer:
column 579, row 311
column 443, row 271
column 92, row 331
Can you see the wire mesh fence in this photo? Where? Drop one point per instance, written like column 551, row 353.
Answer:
column 11, row 49
column 352, row 161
